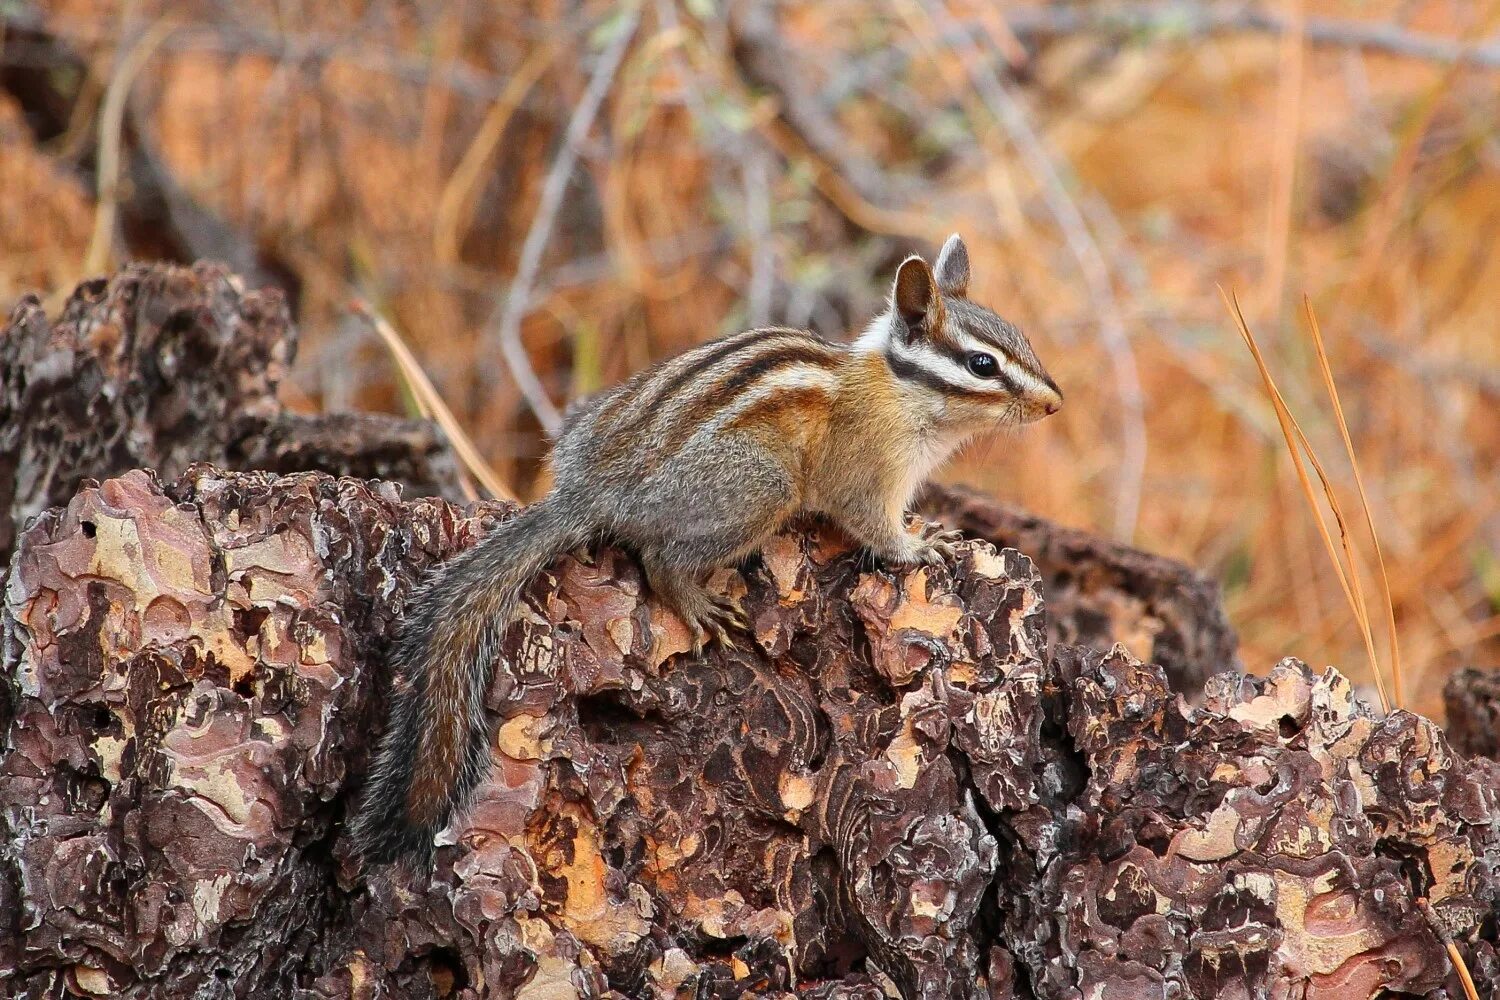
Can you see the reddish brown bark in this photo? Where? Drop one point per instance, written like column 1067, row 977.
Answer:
column 162, row 366
column 1100, row 592
column 896, row 782
column 895, row 774
column 1472, row 700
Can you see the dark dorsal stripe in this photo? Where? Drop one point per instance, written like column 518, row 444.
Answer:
column 712, row 354
column 721, row 396
column 631, row 410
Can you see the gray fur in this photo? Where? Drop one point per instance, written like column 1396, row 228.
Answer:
column 709, row 505
column 683, row 465
column 952, row 267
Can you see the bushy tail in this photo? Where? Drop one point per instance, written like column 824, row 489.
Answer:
column 435, row 748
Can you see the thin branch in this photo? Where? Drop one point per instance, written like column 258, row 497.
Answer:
column 505, row 324
column 1182, row 21
column 1413, row 361
column 1050, row 174
column 1177, row 23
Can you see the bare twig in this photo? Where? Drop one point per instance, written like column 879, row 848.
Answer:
column 1187, row 21
column 506, row 323
column 1178, row 22
column 1485, row 381
column 1049, row 173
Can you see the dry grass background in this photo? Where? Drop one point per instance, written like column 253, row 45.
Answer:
column 751, row 162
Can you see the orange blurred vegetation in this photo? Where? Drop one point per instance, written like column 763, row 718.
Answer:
column 754, row 162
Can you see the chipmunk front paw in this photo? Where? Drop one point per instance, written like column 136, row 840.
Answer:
column 935, row 546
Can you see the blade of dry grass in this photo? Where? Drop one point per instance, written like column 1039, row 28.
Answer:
column 427, row 399
column 111, row 128
column 1459, row 965
column 454, row 200
column 1292, row 431
column 1364, row 500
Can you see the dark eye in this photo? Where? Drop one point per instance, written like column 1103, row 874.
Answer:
column 983, row 365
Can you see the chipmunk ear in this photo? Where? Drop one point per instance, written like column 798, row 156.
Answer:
column 916, row 298
column 953, row 267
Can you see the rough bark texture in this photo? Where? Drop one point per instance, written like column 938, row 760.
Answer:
column 1472, row 700
column 163, row 366
column 896, row 773
column 897, row 784
column 1101, row 592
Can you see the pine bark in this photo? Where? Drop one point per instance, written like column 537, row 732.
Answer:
column 901, row 782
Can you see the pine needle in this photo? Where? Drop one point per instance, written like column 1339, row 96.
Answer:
column 1292, row 432
column 431, row 403
column 1364, row 500
column 1462, row 968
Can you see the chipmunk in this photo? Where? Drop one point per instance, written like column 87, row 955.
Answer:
column 693, row 464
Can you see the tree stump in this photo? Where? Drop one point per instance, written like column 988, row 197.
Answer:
column 898, row 785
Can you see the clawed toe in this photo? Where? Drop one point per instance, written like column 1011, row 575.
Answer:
column 729, row 615
column 712, row 621
column 936, row 533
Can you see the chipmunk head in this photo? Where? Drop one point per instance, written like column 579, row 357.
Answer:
column 980, row 367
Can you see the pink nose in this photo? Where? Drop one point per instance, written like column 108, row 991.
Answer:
column 1053, row 405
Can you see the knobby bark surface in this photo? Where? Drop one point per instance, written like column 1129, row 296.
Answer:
column 1100, row 592
column 897, row 784
column 161, row 366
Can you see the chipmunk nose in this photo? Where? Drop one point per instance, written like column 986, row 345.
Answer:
column 1054, row 404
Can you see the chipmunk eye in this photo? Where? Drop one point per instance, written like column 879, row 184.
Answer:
column 983, row 365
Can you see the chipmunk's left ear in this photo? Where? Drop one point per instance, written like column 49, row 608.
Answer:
column 919, row 308
column 953, row 267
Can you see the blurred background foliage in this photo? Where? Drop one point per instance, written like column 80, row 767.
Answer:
column 546, row 196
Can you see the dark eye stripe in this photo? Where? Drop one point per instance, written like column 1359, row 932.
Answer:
column 909, row 372
column 960, row 358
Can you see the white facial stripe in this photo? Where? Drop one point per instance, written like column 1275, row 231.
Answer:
column 956, row 373
column 880, row 336
column 1020, row 376
column 879, row 333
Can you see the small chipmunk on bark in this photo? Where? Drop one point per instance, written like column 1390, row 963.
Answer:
column 693, row 464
